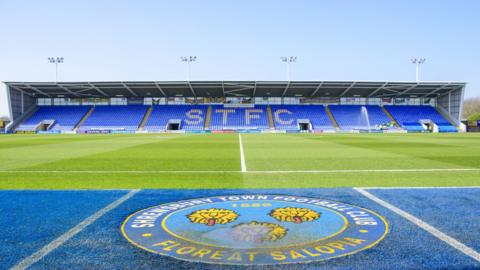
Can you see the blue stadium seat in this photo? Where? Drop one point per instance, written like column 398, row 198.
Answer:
column 349, row 117
column 192, row 117
column 239, row 118
column 126, row 117
column 66, row 117
column 409, row 116
column 285, row 117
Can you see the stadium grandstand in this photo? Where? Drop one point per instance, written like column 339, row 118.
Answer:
column 228, row 106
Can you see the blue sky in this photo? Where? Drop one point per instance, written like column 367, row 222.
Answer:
column 240, row 40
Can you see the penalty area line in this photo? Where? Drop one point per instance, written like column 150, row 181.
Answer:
column 422, row 224
column 37, row 256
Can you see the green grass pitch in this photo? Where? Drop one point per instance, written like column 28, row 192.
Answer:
column 213, row 161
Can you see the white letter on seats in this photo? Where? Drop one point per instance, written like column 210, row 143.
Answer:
column 249, row 115
column 225, row 114
column 194, row 117
column 279, row 120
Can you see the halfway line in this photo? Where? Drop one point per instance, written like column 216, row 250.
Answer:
column 242, row 155
column 35, row 257
column 422, row 224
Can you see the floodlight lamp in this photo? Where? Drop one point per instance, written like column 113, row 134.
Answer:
column 418, row 60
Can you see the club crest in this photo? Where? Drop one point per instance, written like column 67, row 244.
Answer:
column 254, row 229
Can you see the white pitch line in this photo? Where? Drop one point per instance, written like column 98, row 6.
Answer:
column 425, row 226
column 35, row 257
column 438, row 187
column 253, row 172
column 242, row 155
column 371, row 170
column 119, row 172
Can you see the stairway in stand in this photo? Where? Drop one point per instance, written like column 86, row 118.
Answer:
column 208, row 118
column 449, row 119
column 330, row 115
column 24, row 118
column 270, row 117
column 79, row 124
column 145, row 118
column 390, row 117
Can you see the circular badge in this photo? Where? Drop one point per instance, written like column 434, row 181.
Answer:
column 254, row 229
